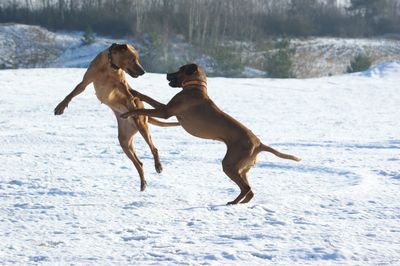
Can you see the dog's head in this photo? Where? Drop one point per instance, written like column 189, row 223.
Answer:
column 186, row 73
column 126, row 57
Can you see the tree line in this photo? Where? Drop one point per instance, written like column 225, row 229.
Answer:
column 212, row 26
column 207, row 22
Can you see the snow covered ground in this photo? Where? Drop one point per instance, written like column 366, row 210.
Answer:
column 68, row 194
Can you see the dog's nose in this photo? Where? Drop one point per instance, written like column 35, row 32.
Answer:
column 140, row 70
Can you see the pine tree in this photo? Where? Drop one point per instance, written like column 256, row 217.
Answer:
column 88, row 37
column 279, row 64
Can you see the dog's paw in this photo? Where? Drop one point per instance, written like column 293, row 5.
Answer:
column 158, row 167
column 143, row 186
column 59, row 110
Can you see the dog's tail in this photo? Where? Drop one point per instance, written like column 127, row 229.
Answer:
column 162, row 124
column 264, row 147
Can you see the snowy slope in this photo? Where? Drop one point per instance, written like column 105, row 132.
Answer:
column 25, row 46
column 70, row 196
column 323, row 56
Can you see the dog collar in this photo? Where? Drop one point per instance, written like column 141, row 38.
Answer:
column 113, row 66
column 190, row 83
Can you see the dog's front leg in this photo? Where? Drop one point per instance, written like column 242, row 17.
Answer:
column 64, row 103
column 147, row 99
column 78, row 89
column 161, row 113
column 173, row 108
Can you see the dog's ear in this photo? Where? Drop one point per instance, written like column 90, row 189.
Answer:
column 190, row 69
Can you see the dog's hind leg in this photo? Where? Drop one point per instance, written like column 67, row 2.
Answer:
column 247, row 164
column 236, row 164
column 126, row 131
column 237, row 178
column 231, row 165
column 250, row 194
column 144, row 131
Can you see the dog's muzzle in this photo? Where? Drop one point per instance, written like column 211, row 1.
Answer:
column 170, row 76
column 135, row 74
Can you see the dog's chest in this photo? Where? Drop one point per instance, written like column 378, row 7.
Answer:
column 103, row 93
column 112, row 96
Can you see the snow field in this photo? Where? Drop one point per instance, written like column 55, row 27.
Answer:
column 69, row 195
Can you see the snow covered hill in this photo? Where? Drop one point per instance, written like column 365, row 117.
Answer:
column 25, row 46
column 317, row 57
column 70, row 196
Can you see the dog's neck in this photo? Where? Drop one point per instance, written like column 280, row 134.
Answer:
column 194, row 83
column 113, row 66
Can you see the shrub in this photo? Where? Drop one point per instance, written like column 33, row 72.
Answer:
column 360, row 62
column 228, row 62
column 279, row 64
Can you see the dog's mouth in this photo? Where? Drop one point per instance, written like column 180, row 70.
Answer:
column 173, row 83
column 173, row 80
column 132, row 74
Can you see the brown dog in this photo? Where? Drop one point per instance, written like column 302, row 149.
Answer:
column 199, row 116
column 106, row 72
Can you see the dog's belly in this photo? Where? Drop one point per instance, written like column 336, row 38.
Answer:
column 207, row 122
column 197, row 129
column 205, row 127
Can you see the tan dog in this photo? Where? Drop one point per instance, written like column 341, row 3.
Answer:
column 199, row 116
column 106, row 72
